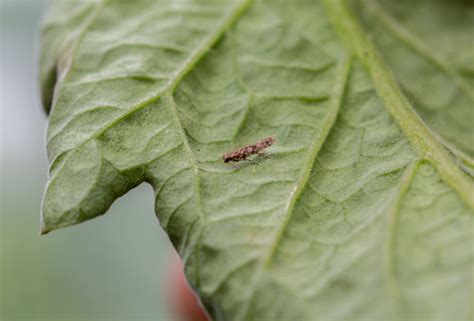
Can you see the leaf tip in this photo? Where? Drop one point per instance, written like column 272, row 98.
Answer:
column 44, row 228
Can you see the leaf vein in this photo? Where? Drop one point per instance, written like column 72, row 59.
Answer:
column 416, row 43
column 421, row 137
column 342, row 76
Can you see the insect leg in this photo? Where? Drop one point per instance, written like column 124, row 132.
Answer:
column 263, row 154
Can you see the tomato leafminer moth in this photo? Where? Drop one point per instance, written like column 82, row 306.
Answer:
column 244, row 152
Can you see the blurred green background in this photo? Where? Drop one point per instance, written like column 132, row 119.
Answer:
column 110, row 268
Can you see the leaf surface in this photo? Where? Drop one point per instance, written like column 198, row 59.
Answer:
column 364, row 209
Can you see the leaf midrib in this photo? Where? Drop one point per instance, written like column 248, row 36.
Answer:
column 416, row 44
column 421, row 137
column 432, row 150
column 439, row 61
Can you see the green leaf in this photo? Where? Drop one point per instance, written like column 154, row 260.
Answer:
column 60, row 34
column 364, row 211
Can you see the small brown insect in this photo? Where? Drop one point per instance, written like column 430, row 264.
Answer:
column 244, row 152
